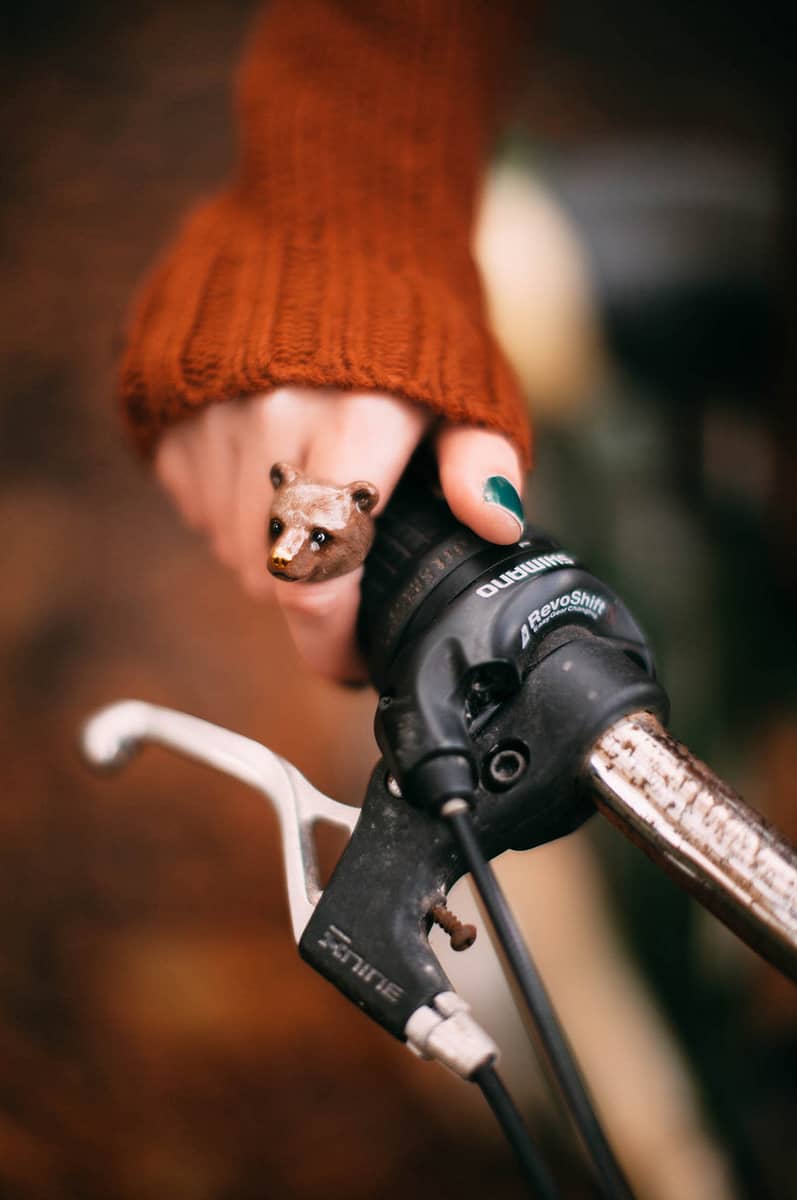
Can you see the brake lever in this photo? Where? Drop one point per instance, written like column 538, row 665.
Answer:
column 398, row 864
column 114, row 734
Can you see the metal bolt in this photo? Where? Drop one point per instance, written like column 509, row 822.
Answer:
column 462, row 936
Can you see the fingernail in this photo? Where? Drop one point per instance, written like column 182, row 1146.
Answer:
column 498, row 490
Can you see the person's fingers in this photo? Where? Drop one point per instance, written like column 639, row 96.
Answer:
column 247, row 535
column 365, row 436
column 175, row 471
column 358, row 437
column 268, row 431
column 481, row 478
column 220, row 458
column 321, row 619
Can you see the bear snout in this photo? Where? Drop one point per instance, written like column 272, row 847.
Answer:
column 284, row 553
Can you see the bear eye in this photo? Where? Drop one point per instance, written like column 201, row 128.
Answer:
column 275, row 527
column 319, row 536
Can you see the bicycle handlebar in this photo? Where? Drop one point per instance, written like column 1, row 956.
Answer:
column 698, row 830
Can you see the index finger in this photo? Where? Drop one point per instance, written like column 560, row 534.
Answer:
column 362, row 437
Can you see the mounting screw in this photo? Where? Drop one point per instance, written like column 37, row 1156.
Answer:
column 505, row 765
column 462, row 936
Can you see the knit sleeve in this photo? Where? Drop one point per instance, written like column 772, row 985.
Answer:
column 339, row 254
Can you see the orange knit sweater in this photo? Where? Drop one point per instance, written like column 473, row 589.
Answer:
column 339, row 254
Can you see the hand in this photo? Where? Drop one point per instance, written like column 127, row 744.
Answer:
column 215, row 466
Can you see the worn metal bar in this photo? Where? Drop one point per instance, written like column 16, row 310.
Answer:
column 696, row 828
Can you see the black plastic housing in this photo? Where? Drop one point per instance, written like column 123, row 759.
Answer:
column 453, row 625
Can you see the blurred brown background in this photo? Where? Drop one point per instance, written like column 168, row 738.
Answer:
column 158, row 1035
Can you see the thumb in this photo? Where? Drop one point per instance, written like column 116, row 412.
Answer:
column 481, row 478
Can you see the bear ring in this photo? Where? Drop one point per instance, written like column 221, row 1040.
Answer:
column 317, row 530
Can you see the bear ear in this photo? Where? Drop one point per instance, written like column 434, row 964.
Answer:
column 364, row 495
column 283, row 473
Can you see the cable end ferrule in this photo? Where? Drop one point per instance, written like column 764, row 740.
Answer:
column 453, row 806
column 449, row 1034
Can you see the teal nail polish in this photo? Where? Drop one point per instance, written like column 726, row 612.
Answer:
column 498, row 490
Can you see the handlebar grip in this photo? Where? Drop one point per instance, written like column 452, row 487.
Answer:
column 700, row 832
column 418, row 543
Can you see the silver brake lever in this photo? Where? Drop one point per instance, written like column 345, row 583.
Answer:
column 112, row 735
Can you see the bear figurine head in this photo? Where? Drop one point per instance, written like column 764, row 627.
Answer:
column 317, row 530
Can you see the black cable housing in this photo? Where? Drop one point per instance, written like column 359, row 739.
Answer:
column 558, row 1053
column 533, row 1169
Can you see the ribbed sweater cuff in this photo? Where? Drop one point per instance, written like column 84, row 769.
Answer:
column 339, row 257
